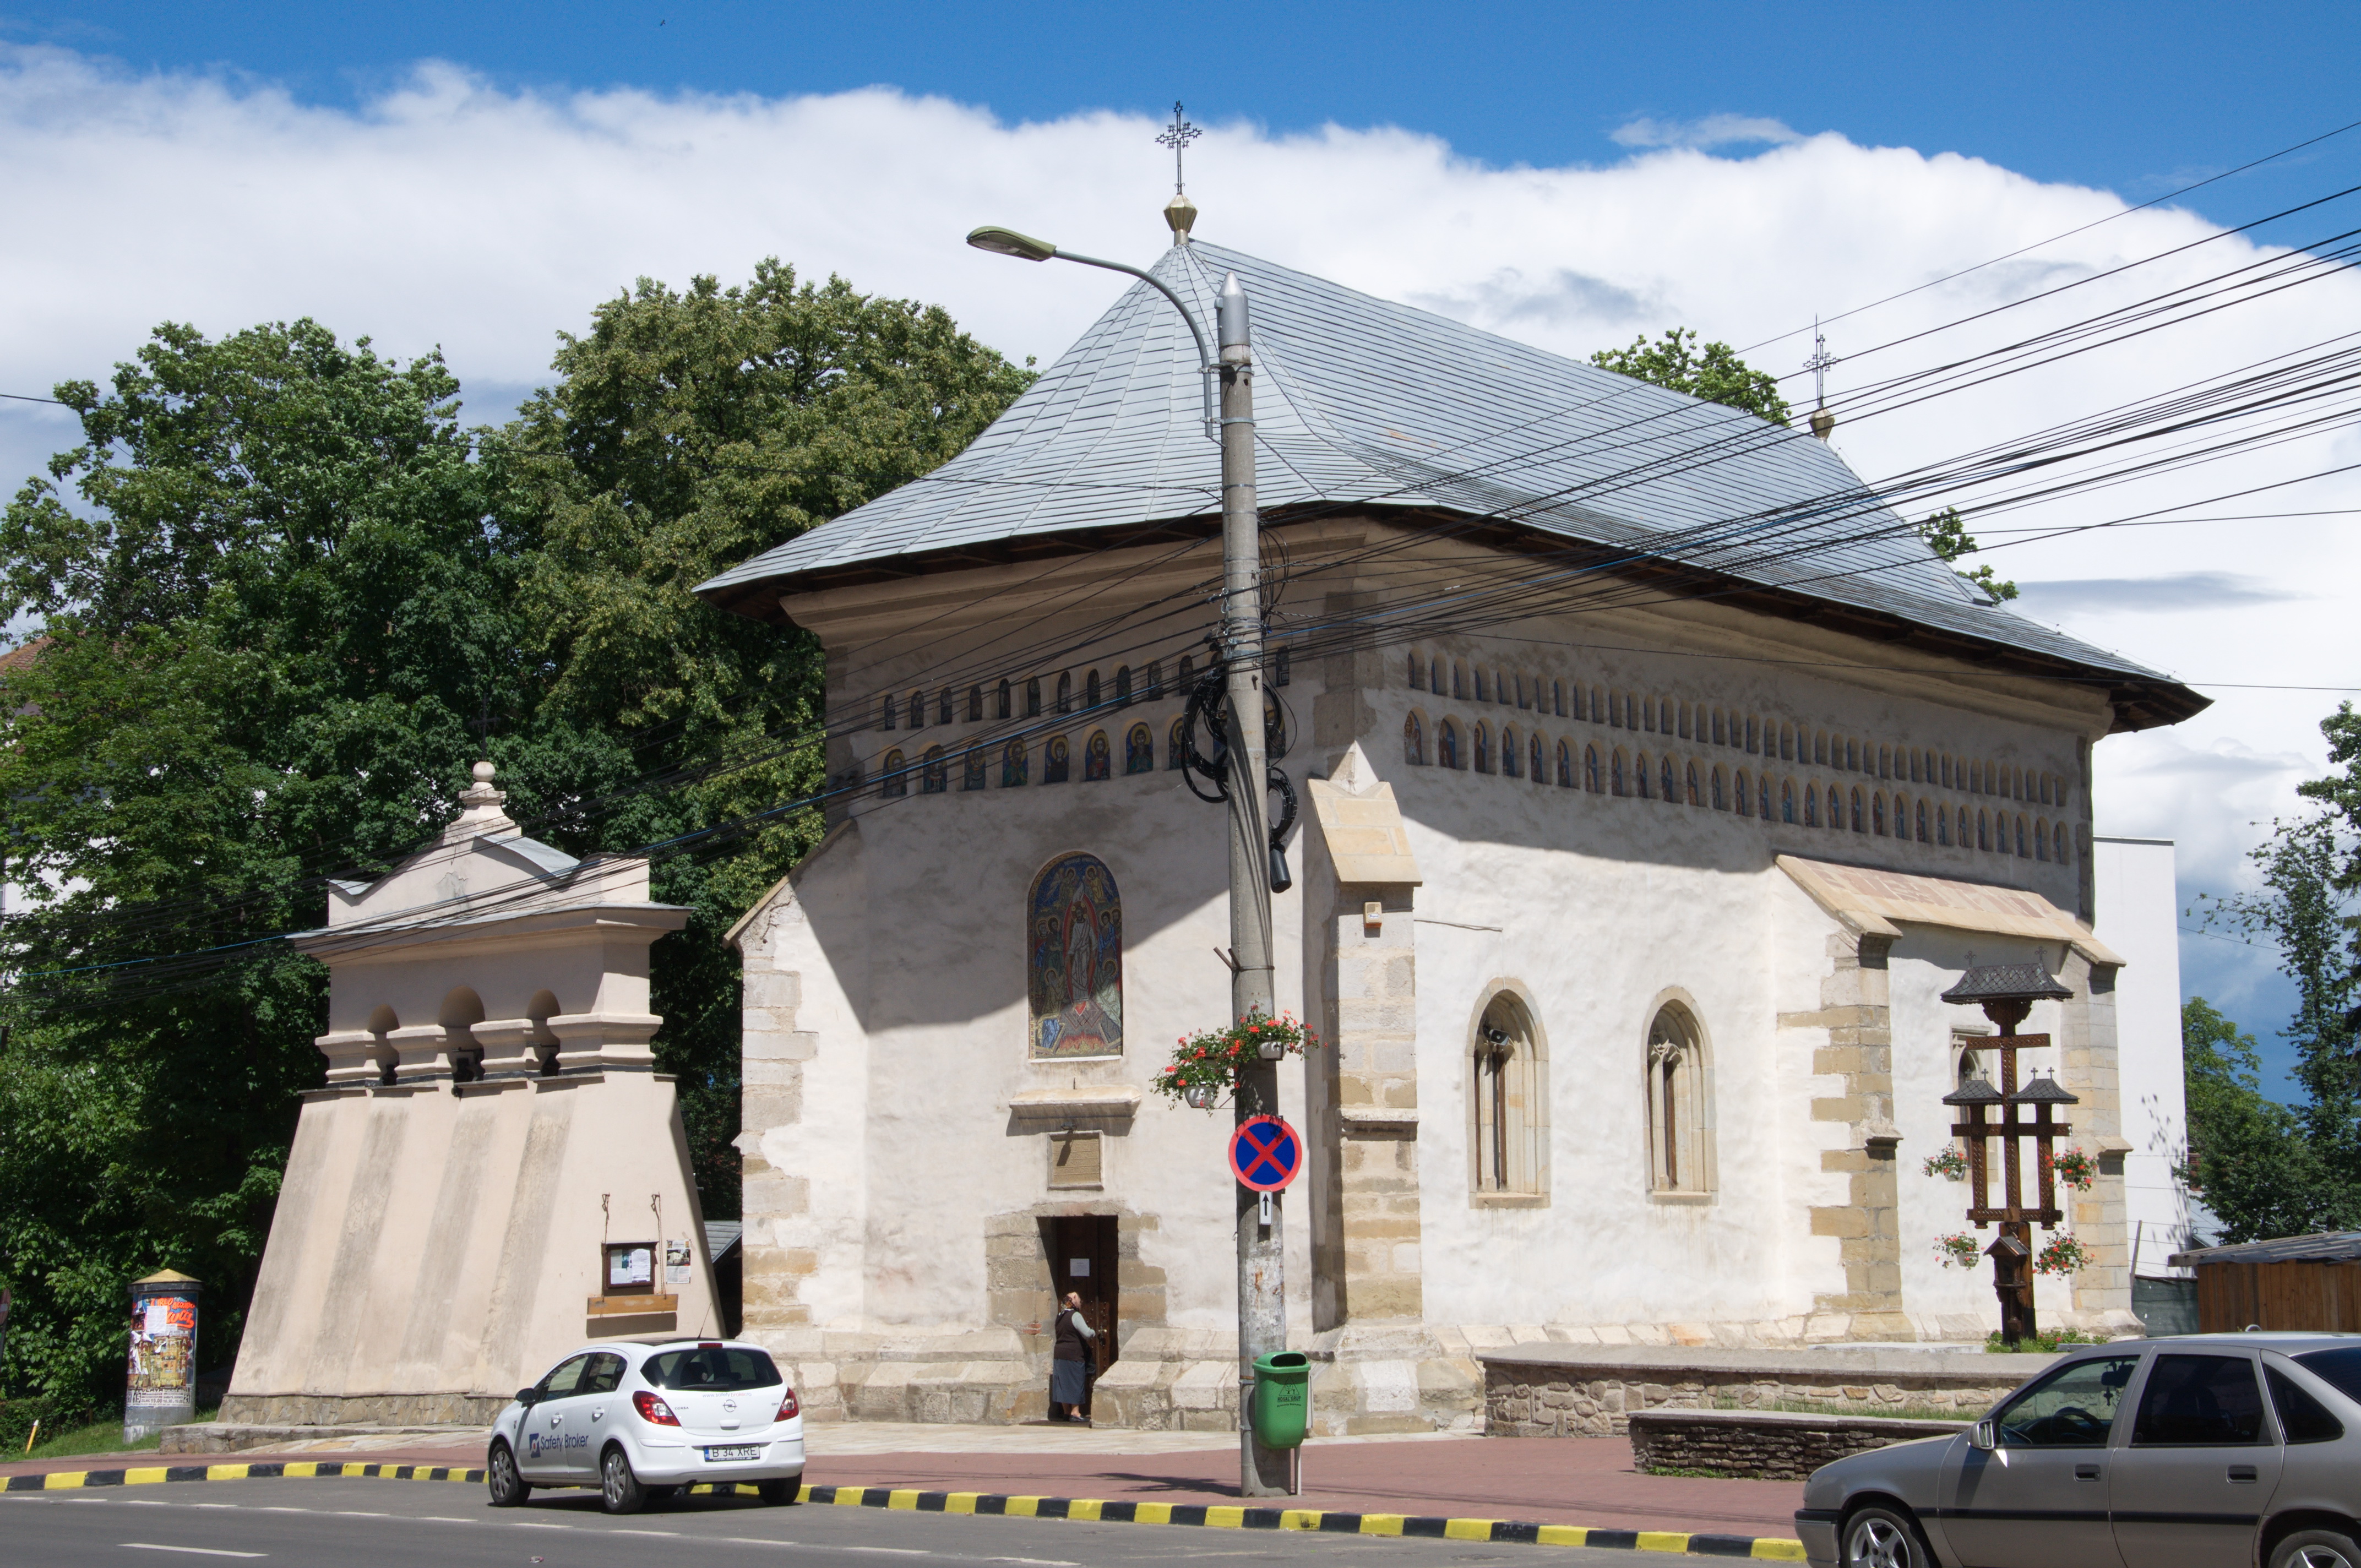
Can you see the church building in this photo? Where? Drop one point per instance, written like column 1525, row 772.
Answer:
column 1655, row 782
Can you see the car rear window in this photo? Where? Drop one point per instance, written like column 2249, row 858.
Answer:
column 2340, row 1369
column 724, row 1368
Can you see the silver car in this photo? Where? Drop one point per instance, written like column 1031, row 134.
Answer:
column 2210, row 1451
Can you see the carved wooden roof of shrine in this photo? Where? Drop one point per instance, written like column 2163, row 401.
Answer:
column 1384, row 408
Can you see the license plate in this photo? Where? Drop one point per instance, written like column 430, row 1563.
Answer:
column 722, row 1455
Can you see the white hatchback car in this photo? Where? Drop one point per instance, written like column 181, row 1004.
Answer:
column 641, row 1420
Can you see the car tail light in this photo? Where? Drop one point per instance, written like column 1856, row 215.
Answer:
column 788, row 1409
column 653, row 1410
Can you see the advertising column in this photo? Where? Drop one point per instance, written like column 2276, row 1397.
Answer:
column 162, row 1388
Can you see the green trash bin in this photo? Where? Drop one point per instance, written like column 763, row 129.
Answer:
column 1281, row 1411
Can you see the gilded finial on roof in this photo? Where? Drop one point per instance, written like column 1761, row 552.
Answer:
column 1181, row 214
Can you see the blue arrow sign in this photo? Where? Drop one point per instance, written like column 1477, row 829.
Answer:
column 1264, row 1153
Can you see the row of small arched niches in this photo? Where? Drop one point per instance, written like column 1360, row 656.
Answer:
column 1013, row 698
column 1762, row 734
column 1709, row 784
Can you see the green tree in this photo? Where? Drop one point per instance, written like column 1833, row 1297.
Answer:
column 2254, row 1168
column 286, row 601
column 1710, row 371
column 687, row 431
column 1950, row 538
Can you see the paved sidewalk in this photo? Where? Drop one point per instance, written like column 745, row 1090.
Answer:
column 1573, row 1481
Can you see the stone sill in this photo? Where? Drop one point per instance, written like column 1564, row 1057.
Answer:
column 1680, row 1198
column 1060, row 1105
column 1508, row 1199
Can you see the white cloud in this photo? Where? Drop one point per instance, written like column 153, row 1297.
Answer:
column 486, row 221
column 1714, row 130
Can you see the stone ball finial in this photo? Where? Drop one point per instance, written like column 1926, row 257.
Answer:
column 1181, row 214
column 484, row 772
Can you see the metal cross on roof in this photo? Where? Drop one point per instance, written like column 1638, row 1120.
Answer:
column 1818, row 365
column 1178, row 136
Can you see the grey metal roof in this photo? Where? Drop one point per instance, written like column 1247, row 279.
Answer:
column 1362, row 400
column 2327, row 1246
column 721, row 1235
column 2006, row 982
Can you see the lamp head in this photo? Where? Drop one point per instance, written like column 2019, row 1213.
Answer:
column 1008, row 242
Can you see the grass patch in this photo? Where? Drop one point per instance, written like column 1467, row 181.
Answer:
column 94, row 1438
column 2046, row 1342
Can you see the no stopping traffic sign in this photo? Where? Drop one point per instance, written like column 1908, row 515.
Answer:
column 1264, row 1153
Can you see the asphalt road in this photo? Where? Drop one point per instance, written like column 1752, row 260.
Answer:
column 344, row 1524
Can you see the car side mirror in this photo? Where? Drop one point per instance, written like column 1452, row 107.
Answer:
column 1985, row 1435
column 528, row 1397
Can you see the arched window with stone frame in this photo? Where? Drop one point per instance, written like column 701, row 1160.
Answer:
column 1615, row 772
column 1509, row 751
column 975, row 704
column 1508, row 1103
column 1074, row 959
column 1122, row 685
column 1692, row 796
column 1065, row 691
column 1787, row 800
column 2020, row 838
column 1859, row 822
column 1668, row 783
column 1459, row 679
column 1535, row 750
column 1720, row 790
column 1590, row 781
column 885, row 712
column 1435, row 671
column 1447, row 744
column 1877, row 813
column 1005, row 707
column 1417, row 671
column 1745, row 794
column 2058, row 844
column 1156, row 680
column 893, row 777
column 1681, row 1156
column 1820, row 749
column 1414, row 741
column 1921, row 820
column 1811, row 806
column 1565, row 763
column 1175, row 742
column 1091, row 691
column 1557, row 699
column 1032, row 696
column 934, row 774
column 1482, row 742
column 1483, row 685
column 2041, row 840
column 1639, row 786
column 944, row 712
column 918, row 710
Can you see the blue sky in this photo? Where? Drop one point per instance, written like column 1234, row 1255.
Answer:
column 2135, row 99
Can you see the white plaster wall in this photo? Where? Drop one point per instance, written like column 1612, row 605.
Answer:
column 913, row 984
column 2138, row 908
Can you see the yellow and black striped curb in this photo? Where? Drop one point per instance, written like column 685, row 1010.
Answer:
column 1324, row 1522
column 272, row 1470
column 1214, row 1516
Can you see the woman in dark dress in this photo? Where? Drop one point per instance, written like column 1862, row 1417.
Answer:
column 1069, row 1366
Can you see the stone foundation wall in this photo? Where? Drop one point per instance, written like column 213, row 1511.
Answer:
column 1590, row 1396
column 1763, row 1445
column 362, row 1410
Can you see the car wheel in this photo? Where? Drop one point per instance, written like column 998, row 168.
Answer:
column 620, row 1491
column 509, row 1487
column 779, row 1493
column 2316, row 1548
column 1878, row 1537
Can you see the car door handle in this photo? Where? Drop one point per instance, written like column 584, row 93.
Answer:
column 2086, row 1473
column 599, row 1414
column 2241, row 1472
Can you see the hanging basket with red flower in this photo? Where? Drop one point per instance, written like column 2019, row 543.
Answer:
column 2061, row 1255
column 1208, row 1062
column 2075, row 1169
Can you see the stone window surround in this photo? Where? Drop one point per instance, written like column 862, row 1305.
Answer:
column 1532, row 1172
column 1707, row 1189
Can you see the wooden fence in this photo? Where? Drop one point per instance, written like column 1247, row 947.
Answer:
column 2321, row 1295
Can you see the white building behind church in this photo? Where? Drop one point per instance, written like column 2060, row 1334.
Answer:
column 1656, row 782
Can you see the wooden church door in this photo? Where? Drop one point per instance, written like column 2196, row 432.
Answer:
column 1082, row 1259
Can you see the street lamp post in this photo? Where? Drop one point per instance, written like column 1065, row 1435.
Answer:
column 1262, row 1301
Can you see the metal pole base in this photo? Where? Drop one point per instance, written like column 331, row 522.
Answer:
column 1264, row 1471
